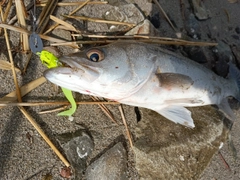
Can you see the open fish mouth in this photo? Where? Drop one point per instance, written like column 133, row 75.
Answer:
column 68, row 63
column 72, row 69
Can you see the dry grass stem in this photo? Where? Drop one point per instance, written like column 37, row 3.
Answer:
column 21, row 30
column 224, row 161
column 51, row 39
column 100, row 20
column 45, row 15
column 135, row 36
column 44, row 136
column 18, row 92
column 227, row 14
column 29, row 56
column 74, row 3
column 165, row 15
column 24, row 90
column 21, row 15
column 14, row 28
column 125, row 124
column 6, row 101
column 105, row 109
column 4, row 65
column 7, row 10
column 77, row 9
column 53, row 110
column 67, row 25
column 154, row 41
column 14, row 18
column 63, row 27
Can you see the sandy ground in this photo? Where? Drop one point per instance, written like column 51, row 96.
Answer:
column 24, row 154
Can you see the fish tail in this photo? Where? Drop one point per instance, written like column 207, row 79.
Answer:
column 234, row 75
column 233, row 89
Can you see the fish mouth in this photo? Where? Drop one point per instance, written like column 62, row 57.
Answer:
column 71, row 68
column 69, row 63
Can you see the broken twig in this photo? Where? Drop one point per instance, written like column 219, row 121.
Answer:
column 165, row 15
column 6, row 101
column 224, row 161
column 24, row 90
column 44, row 136
column 74, row 3
column 78, row 8
column 156, row 41
column 100, row 20
column 125, row 124
column 53, row 110
column 104, row 109
column 18, row 92
column 45, row 15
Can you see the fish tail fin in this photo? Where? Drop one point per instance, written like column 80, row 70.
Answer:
column 233, row 90
column 226, row 109
column 234, row 75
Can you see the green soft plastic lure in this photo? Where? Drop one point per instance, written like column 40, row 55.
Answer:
column 51, row 61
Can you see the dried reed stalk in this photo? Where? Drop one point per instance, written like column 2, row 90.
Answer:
column 18, row 92
column 29, row 56
column 105, row 109
column 21, row 15
column 44, row 136
column 125, row 124
column 78, row 8
column 134, row 37
column 7, row 10
column 53, row 110
column 6, row 13
column 67, row 25
column 100, row 20
column 24, row 31
column 7, row 66
column 154, row 41
column 24, row 90
column 14, row 18
column 45, row 15
column 6, row 101
column 74, row 3
column 165, row 15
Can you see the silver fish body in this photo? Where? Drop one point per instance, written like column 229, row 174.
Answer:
column 147, row 76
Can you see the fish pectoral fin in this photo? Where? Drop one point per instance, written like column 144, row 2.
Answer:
column 173, row 80
column 226, row 109
column 177, row 114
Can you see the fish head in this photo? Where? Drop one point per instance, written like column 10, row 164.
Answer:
column 108, row 71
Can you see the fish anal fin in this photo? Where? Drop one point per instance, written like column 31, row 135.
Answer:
column 226, row 109
column 172, row 80
column 177, row 114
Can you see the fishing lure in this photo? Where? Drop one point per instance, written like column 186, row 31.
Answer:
column 51, row 61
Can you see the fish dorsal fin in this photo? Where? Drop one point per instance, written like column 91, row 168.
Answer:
column 226, row 109
column 177, row 114
column 172, row 80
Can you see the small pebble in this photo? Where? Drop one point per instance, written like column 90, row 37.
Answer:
column 66, row 172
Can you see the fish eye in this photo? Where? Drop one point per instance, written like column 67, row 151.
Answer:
column 95, row 55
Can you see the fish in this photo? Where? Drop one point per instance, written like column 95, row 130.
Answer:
column 148, row 76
